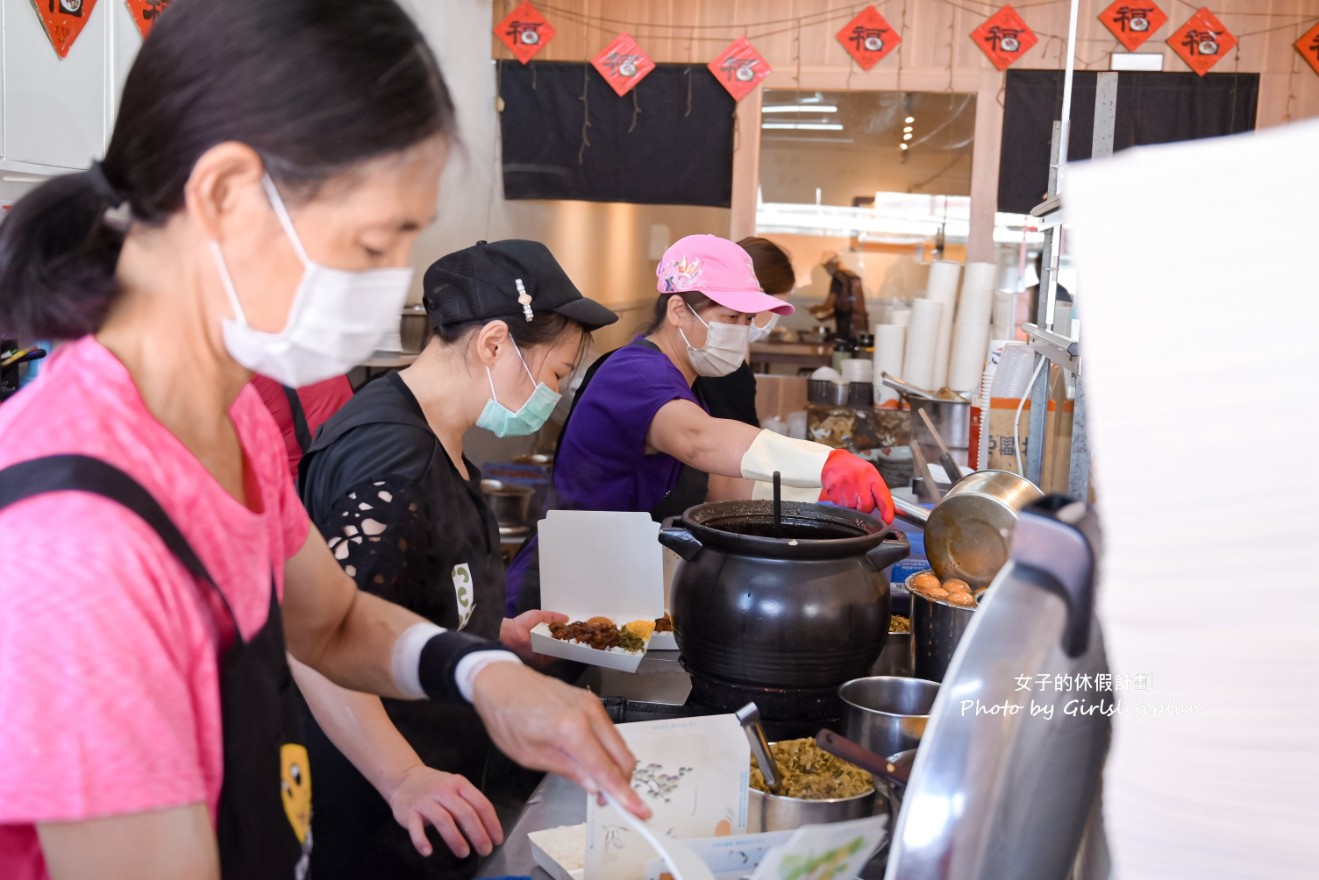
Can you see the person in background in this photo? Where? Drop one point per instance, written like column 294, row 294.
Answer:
column 401, row 507
column 638, row 421
column 157, row 563
column 1032, row 298
column 301, row 412
column 846, row 301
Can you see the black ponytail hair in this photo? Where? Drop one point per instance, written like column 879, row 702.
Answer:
column 316, row 87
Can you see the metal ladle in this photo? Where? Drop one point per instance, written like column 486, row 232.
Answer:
column 895, row 770
column 749, row 717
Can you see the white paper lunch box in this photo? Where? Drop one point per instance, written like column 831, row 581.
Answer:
column 599, row 564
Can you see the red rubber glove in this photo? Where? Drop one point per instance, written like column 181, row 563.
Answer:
column 853, row 482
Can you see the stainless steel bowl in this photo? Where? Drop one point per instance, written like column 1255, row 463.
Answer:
column 509, row 502
column 414, row 328
column 887, row 714
column 773, row 812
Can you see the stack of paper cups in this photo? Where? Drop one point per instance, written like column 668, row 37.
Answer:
column 980, row 406
column 922, row 343
column 967, row 359
column 1004, row 317
column 942, row 288
column 890, row 340
column 1012, row 378
column 901, row 317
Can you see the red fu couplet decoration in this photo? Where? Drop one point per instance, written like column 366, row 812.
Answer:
column 739, row 68
column 63, row 21
column 146, row 13
column 525, row 32
column 868, row 38
column 623, row 64
column 1133, row 22
column 1202, row 41
column 1308, row 46
column 1004, row 37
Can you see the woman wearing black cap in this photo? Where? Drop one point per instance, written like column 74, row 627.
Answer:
column 388, row 486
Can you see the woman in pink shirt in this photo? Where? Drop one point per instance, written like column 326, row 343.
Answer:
column 269, row 171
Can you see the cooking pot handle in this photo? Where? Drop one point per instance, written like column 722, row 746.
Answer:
column 895, row 548
column 912, row 513
column 1057, row 538
column 678, row 539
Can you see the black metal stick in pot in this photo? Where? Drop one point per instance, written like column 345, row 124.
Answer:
column 778, row 505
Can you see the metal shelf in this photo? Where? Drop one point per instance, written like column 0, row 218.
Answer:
column 1061, row 350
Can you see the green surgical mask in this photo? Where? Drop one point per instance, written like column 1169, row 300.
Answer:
column 530, row 417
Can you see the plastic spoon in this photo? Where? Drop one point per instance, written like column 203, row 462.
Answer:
column 685, row 864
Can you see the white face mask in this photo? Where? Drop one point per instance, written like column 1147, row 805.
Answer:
column 725, row 348
column 335, row 322
column 756, row 333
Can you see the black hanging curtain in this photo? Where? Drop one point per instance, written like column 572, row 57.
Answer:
column 1152, row 108
column 668, row 142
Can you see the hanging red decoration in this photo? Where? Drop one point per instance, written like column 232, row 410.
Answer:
column 1004, row 37
column 868, row 38
column 1133, row 22
column 740, row 68
column 146, row 12
column 623, row 64
column 1308, row 46
column 525, row 32
column 1202, row 41
column 63, row 21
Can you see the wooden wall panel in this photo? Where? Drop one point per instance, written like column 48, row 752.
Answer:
column 936, row 54
column 936, row 45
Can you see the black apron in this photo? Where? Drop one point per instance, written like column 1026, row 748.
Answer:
column 263, row 822
column 357, row 836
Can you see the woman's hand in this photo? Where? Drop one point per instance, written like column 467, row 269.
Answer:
column 544, row 724
column 456, row 809
column 851, row 481
column 515, row 632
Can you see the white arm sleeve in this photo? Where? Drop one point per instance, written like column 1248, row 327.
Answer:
column 799, row 462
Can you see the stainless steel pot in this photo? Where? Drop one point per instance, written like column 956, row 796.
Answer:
column 772, row 812
column 887, row 714
column 968, row 535
column 936, row 628
column 414, row 328
column 952, row 419
column 509, row 502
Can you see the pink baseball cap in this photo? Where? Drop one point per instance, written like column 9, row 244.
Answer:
column 718, row 268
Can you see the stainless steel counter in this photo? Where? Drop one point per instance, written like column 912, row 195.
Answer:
column 557, row 801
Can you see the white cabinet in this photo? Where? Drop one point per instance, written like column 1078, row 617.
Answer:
column 56, row 113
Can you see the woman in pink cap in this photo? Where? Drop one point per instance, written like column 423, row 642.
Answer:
column 637, row 421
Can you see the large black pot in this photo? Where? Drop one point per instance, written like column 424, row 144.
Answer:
column 804, row 608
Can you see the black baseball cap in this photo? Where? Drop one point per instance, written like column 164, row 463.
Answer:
column 480, row 283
